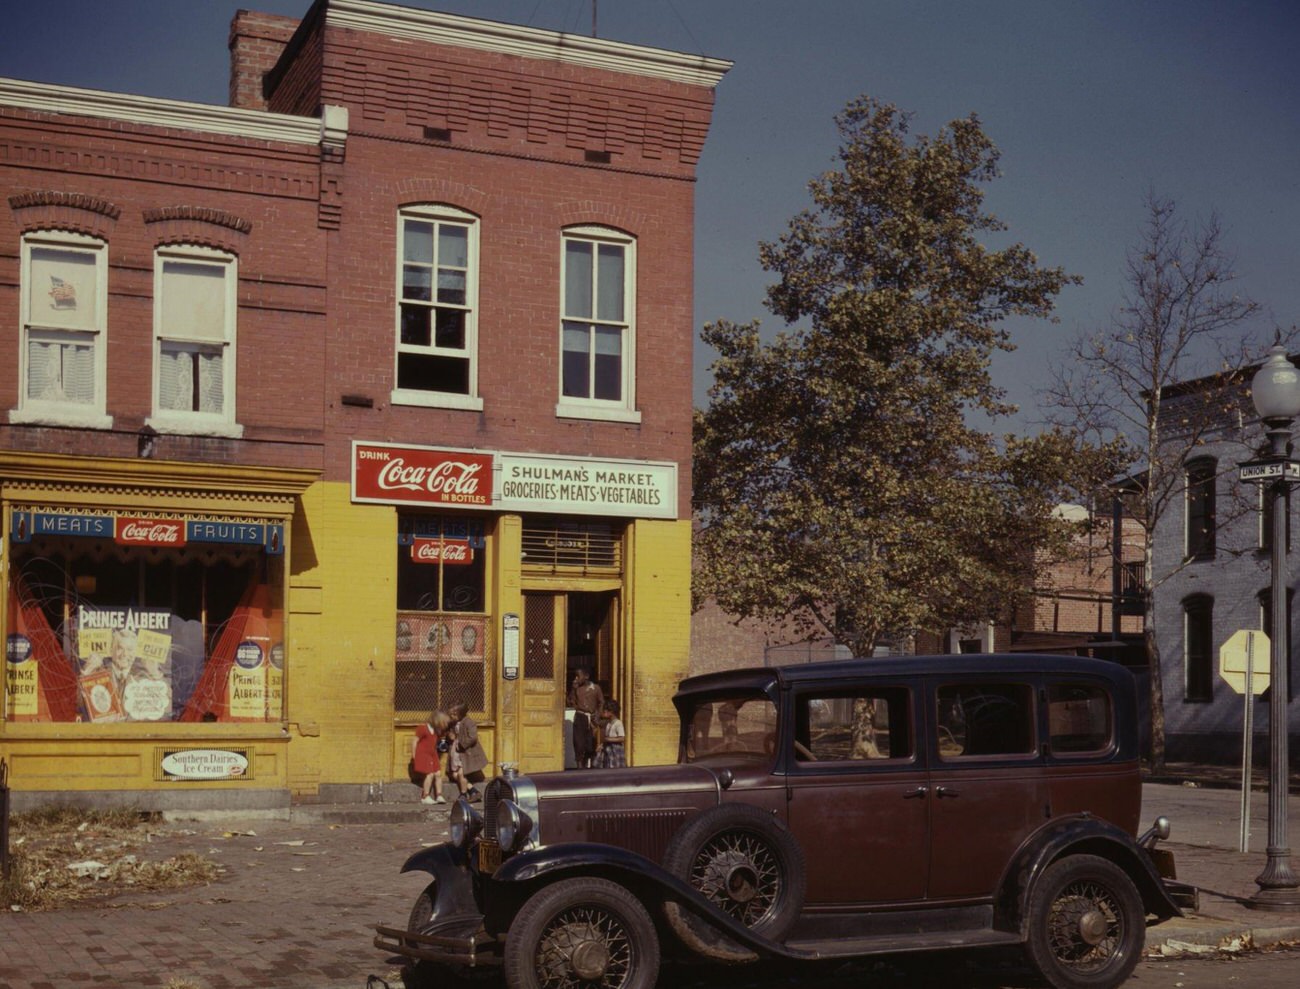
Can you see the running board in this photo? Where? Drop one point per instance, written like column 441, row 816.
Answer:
column 888, row 944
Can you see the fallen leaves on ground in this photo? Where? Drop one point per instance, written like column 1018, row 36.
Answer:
column 61, row 857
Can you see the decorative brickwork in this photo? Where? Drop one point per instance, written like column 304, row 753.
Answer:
column 256, row 43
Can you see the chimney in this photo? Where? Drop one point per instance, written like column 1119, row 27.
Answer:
column 256, row 43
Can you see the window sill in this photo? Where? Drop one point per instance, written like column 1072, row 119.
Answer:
column 568, row 411
column 178, row 426
column 267, row 731
column 60, row 417
column 436, row 400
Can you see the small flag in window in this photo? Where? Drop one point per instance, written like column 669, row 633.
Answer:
column 62, row 294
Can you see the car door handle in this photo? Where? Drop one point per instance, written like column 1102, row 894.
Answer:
column 920, row 791
column 945, row 791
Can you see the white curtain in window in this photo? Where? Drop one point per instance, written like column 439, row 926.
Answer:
column 211, row 382
column 176, row 369
column 60, row 372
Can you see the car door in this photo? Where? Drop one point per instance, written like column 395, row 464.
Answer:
column 986, row 781
column 857, row 794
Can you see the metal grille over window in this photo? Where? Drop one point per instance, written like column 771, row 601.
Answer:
column 587, row 546
column 441, row 660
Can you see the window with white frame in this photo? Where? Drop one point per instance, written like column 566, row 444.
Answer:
column 195, row 307
column 437, row 292
column 63, row 306
column 597, row 330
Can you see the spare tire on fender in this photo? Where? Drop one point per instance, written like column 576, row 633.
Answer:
column 748, row 865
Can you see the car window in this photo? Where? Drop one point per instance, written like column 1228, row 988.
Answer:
column 850, row 726
column 735, row 725
column 985, row 719
column 1079, row 718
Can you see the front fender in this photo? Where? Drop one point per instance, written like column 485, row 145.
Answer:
column 453, row 886
column 1077, row 834
column 586, row 859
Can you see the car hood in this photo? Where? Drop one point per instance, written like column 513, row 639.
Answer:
column 601, row 783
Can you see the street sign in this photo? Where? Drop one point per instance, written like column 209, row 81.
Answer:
column 1262, row 471
column 1246, row 653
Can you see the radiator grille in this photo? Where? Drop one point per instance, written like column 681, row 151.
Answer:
column 645, row 832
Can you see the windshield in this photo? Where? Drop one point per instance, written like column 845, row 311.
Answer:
column 730, row 725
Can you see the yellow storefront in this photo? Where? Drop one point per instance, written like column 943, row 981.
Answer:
column 185, row 636
column 145, row 629
column 511, row 571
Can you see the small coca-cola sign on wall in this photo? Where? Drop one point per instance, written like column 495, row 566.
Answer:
column 404, row 475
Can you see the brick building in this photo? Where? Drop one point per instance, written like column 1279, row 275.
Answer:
column 1212, row 571
column 367, row 394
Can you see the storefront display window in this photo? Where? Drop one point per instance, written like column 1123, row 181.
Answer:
column 129, row 618
column 442, row 632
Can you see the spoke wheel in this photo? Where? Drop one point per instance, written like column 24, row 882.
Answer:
column 739, row 872
column 1086, row 924
column 582, row 934
column 748, row 865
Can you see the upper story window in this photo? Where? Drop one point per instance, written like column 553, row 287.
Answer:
column 64, row 300
column 598, row 332
column 437, row 307
column 1200, row 477
column 1198, row 648
column 194, row 312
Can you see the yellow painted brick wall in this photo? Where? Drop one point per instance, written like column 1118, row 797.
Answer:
column 658, row 636
column 342, row 638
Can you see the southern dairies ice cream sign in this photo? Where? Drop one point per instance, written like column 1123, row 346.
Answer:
column 392, row 474
column 205, row 764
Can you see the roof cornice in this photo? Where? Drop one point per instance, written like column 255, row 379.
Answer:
column 527, row 42
column 149, row 111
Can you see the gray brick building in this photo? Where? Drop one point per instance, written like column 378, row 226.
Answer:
column 1211, row 570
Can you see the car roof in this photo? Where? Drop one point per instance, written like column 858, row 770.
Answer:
column 960, row 664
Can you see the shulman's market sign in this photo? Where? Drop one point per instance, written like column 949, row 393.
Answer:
column 393, row 474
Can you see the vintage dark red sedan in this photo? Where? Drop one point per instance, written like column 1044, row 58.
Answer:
column 831, row 810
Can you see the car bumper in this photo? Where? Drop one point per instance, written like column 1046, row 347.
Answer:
column 459, row 941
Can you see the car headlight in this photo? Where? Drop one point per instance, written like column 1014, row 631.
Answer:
column 513, row 826
column 464, row 823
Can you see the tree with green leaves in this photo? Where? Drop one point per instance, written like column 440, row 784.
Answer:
column 843, row 482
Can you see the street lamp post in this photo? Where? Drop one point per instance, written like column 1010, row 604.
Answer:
column 1276, row 393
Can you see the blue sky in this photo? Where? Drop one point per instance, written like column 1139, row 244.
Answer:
column 1092, row 105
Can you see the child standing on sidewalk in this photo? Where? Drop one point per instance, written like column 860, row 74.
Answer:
column 611, row 755
column 424, row 757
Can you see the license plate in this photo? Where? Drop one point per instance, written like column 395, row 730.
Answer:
column 489, row 857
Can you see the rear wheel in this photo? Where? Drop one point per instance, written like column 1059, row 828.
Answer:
column 1086, row 924
column 588, row 933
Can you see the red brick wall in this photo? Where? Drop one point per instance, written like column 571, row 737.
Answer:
column 519, row 164
column 507, row 104
column 256, row 43
column 138, row 188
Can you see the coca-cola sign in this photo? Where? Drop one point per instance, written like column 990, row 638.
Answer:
column 130, row 530
column 420, row 476
column 454, row 552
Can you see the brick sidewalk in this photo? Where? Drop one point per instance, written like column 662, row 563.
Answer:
column 284, row 916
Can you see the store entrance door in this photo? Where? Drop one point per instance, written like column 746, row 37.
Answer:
column 541, row 722
column 562, row 633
